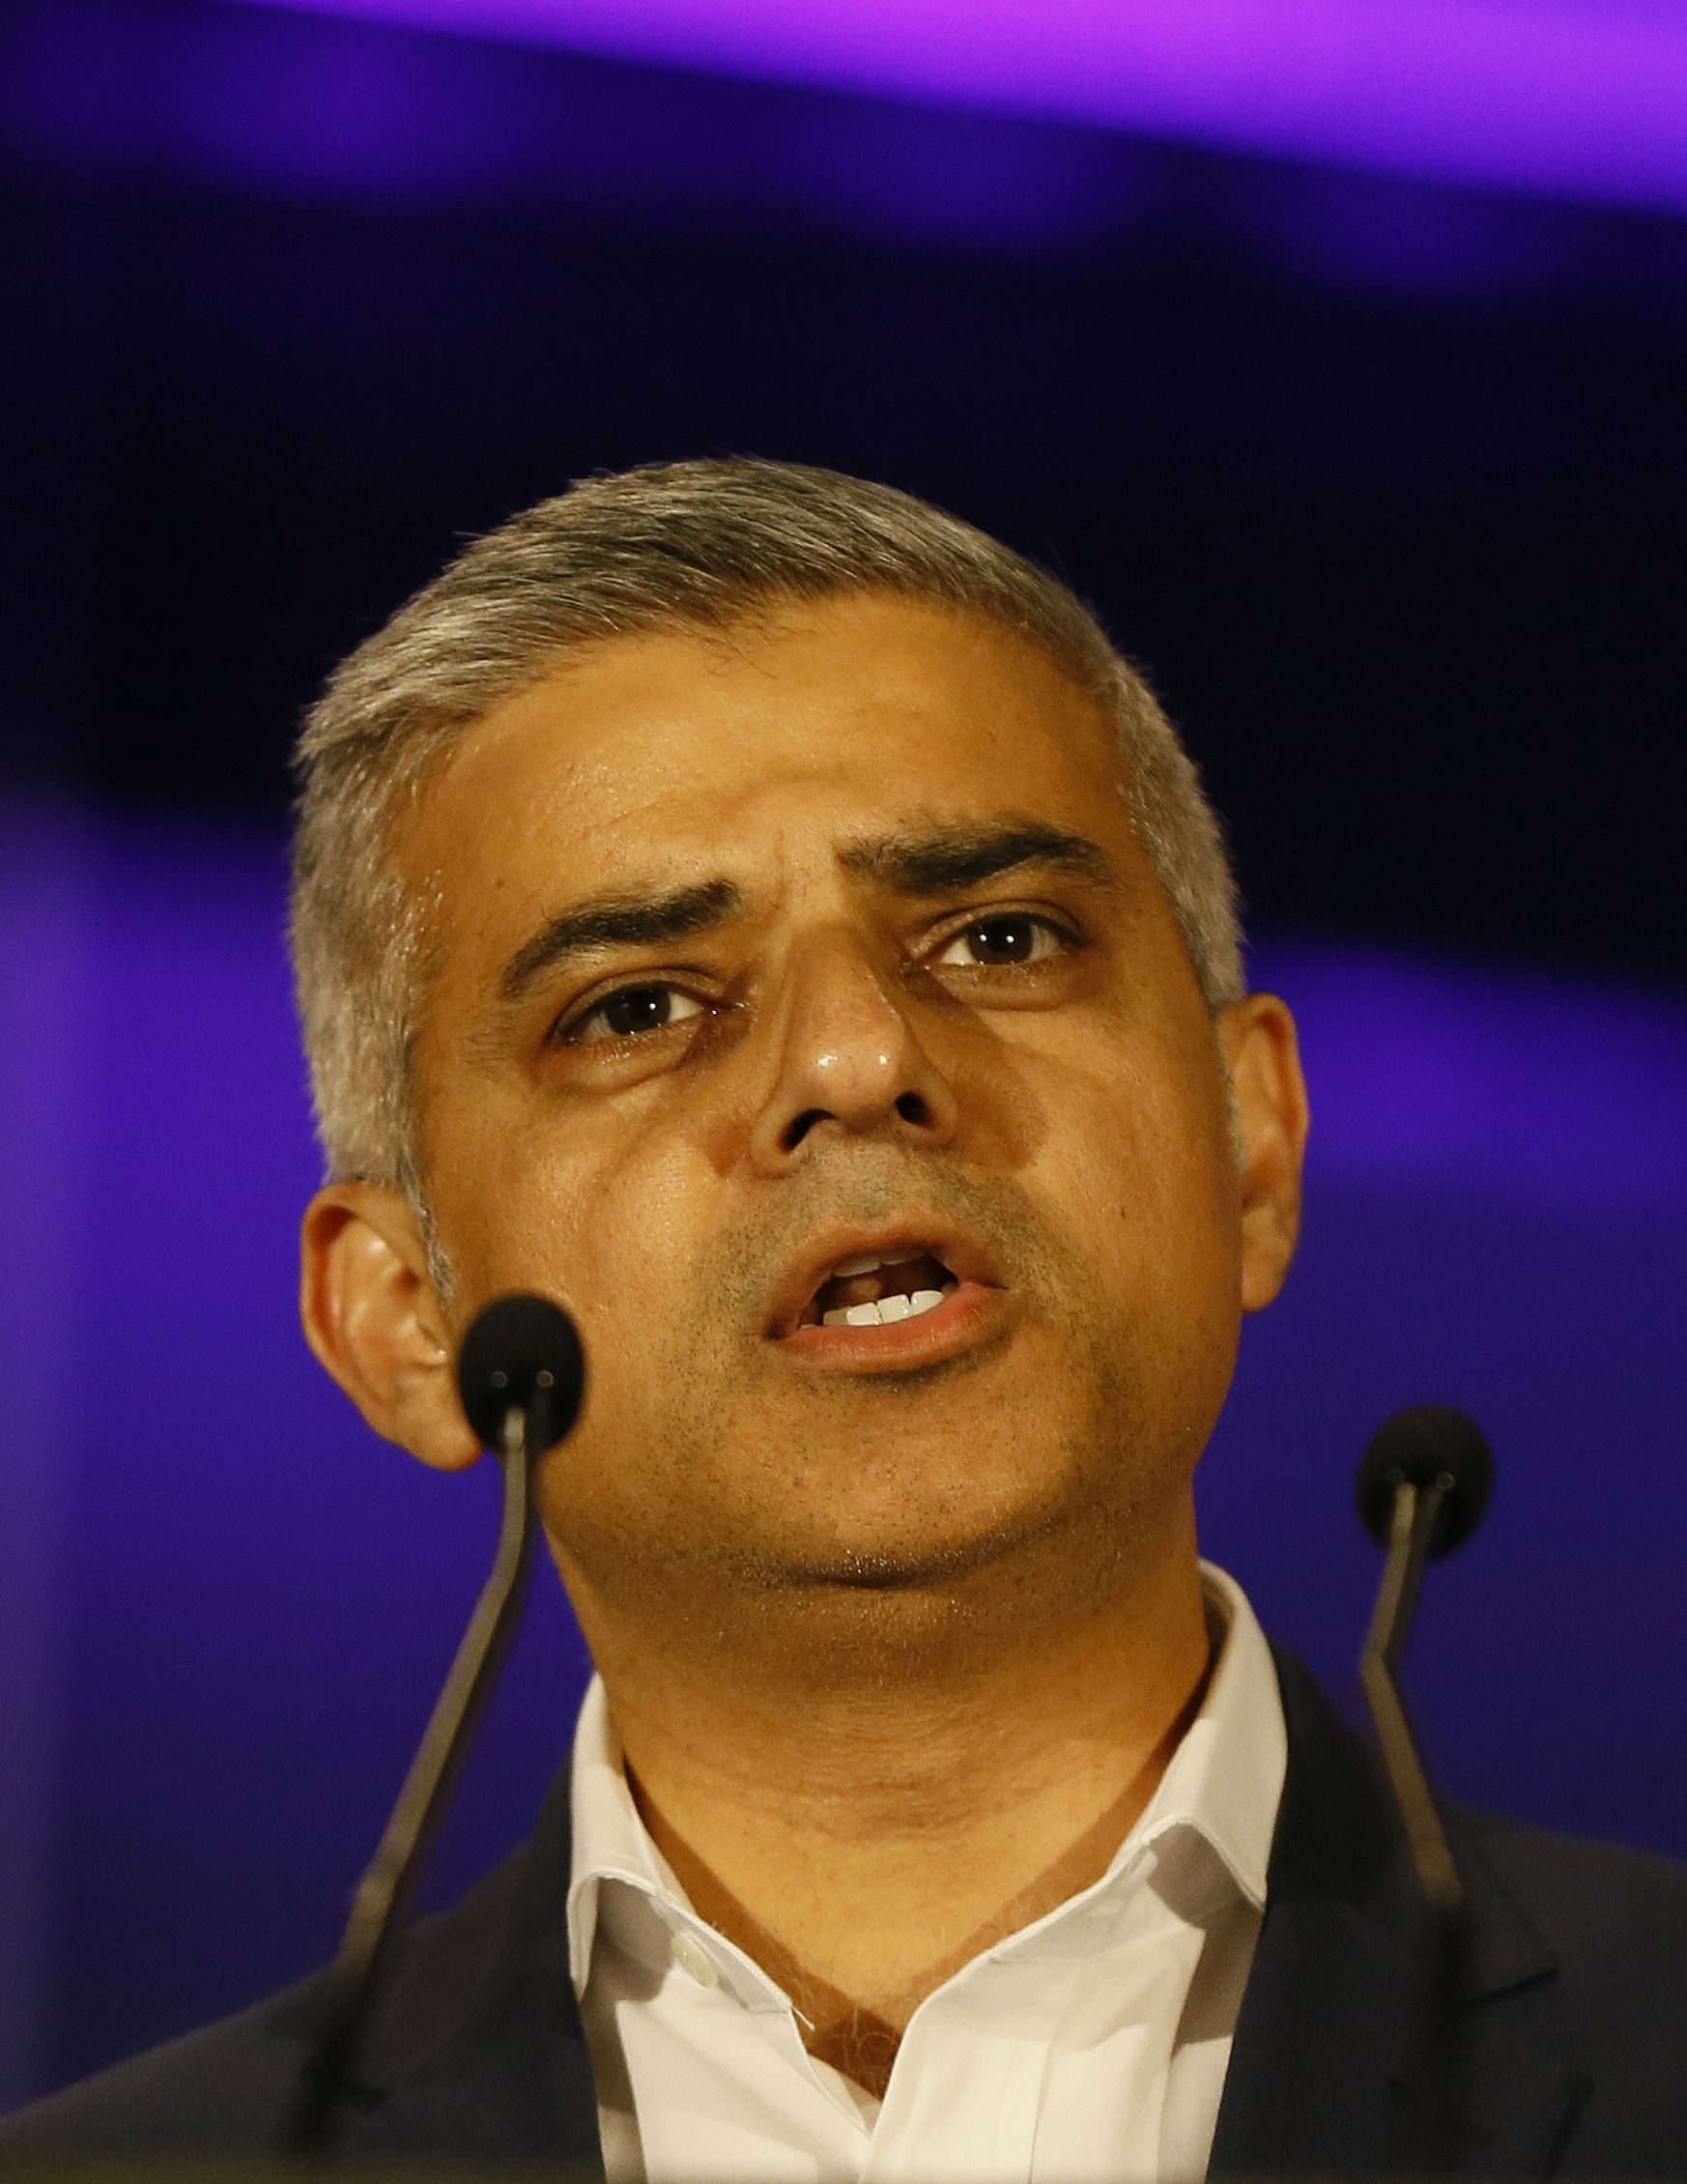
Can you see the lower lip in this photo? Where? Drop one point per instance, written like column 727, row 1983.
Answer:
column 961, row 1322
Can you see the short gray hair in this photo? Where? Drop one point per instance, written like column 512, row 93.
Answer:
column 684, row 546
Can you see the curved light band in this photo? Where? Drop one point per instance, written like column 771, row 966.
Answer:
column 1584, row 99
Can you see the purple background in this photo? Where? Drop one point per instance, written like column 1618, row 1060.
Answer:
column 1350, row 378
column 1544, row 95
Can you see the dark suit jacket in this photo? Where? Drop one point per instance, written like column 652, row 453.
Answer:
column 1577, row 2015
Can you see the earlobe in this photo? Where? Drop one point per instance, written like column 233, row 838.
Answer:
column 1272, row 1118
column 373, row 1318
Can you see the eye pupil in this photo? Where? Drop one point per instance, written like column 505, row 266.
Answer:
column 639, row 1008
column 1004, row 940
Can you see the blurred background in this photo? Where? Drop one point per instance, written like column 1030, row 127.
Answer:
column 1338, row 355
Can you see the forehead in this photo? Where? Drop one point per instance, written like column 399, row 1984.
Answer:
column 769, row 741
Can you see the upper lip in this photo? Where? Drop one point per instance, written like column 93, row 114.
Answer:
column 962, row 1253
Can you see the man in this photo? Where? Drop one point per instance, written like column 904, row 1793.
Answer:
column 764, row 913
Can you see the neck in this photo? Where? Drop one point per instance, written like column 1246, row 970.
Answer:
column 888, row 1806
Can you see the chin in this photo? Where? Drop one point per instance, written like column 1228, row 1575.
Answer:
column 902, row 1555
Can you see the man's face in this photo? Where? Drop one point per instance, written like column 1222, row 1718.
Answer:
column 824, row 942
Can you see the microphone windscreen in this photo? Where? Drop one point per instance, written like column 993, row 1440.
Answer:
column 522, row 1352
column 1418, row 1446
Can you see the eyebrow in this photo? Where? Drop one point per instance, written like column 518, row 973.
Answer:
column 935, row 860
column 617, row 921
column 941, row 859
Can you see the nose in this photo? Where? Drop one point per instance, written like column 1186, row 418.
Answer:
column 848, row 1062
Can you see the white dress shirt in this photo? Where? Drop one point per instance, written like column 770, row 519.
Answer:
column 1090, row 2044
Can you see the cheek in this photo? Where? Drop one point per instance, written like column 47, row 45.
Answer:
column 1148, row 1180
column 526, row 1209
column 614, row 1236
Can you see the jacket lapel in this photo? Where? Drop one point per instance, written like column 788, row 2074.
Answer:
column 477, row 2049
column 1321, row 2072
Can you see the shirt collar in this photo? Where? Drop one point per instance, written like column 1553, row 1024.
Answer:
column 611, row 1843
column 1225, row 1779
column 1223, row 1786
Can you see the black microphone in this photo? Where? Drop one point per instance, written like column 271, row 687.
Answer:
column 521, row 1376
column 1424, row 1488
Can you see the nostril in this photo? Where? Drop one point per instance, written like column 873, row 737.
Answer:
column 912, row 1109
column 797, row 1131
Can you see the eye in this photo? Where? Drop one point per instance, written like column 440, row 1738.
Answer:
column 632, row 1012
column 1006, row 939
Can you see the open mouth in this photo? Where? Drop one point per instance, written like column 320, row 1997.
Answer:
column 870, row 1291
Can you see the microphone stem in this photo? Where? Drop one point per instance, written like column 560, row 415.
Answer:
column 1440, row 2057
column 355, row 1979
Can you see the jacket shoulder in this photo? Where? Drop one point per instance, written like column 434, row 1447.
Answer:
column 230, row 2086
column 1613, row 1920
column 1612, row 1926
column 225, row 2089
column 1589, row 1883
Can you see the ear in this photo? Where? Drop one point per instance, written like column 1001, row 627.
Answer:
column 1263, row 1053
column 373, row 1317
